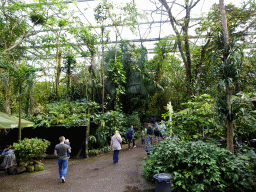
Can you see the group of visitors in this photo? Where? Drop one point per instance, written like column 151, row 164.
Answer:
column 63, row 149
column 153, row 130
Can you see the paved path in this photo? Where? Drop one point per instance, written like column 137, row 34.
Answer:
column 94, row 174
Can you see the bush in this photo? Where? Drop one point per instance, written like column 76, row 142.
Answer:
column 199, row 166
column 199, row 114
column 29, row 150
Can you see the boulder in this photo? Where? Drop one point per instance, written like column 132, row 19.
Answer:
column 39, row 167
column 24, row 164
column 21, row 169
column 12, row 170
column 38, row 163
column 30, row 168
column 31, row 163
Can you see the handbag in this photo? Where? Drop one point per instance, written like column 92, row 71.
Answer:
column 119, row 142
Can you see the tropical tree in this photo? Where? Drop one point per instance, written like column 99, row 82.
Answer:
column 181, row 28
column 168, row 75
column 70, row 63
column 24, row 76
column 14, row 21
column 115, row 80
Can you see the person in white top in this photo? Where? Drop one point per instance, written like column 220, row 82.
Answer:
column 116, row 141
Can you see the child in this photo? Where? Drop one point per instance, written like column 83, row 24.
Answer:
column 142, row 136
column 67, row 143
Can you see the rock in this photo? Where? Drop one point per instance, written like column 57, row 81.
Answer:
column 38, row 163
column 12, row 170
column 24, row 164
column 30, row 168
column 39, row 167
column 21, row 169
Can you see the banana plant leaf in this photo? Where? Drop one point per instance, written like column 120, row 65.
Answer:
column 9, row 122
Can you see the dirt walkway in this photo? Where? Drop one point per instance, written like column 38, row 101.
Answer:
column 94, row 174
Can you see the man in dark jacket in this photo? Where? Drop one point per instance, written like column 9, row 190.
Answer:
column 149, row 134
column 130, row 137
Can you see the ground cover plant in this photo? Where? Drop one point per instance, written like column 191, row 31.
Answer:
column 29, row 152
column 199, row 166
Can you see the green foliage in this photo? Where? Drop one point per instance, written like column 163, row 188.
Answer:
column 30, row 149
column 116, row 79
column 39, row 168
column 37, row 19
column 168, row 75
column 66, row 113
column 199, row 166
column 115, row 120
column 251, row 155
column 244, row 116
column 108, row 123
column 198, row 115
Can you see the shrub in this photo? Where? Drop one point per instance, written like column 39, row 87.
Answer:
column 197, row 120
column 30, row 149
column 199, row 166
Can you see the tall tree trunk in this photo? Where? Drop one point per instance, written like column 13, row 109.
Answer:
column 88, row 129
column 93, row 75
column 58, row 66
column 58, row 71
column 8, row 105
column 29, row 104
column 20, row 94
column 185, row 54
column 102, row 64
column 69, row 81
column 230, row 127
column 8, row 98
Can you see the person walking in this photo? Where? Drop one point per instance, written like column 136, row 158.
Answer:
column 67, row 142
column 130, row 137
column 153, row 121
column 149, row 134
column 162, row 126
column 142, row 136
column 115, row 145
column 162, row 129
column 157, row 132
column 61, row 151
column 8, row 157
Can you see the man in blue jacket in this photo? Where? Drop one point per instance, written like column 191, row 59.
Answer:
column 130, row 137
column 149, row 134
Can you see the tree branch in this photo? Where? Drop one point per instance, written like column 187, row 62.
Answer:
column 19, row 42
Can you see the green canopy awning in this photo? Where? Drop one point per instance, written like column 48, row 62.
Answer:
column 9, row 122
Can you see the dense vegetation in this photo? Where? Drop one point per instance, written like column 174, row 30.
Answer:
column 200, row 166
column 57, row 69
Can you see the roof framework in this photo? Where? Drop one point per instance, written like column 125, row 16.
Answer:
column 148, row 32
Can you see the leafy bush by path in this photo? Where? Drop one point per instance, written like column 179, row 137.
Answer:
column 30, row 149
column 115, row 120
column 199, row 166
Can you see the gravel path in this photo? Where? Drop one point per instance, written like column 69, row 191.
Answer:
column 94, row 174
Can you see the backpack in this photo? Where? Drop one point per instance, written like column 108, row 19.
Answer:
column 129, row 133
column 149, row 131
column 156, row 132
